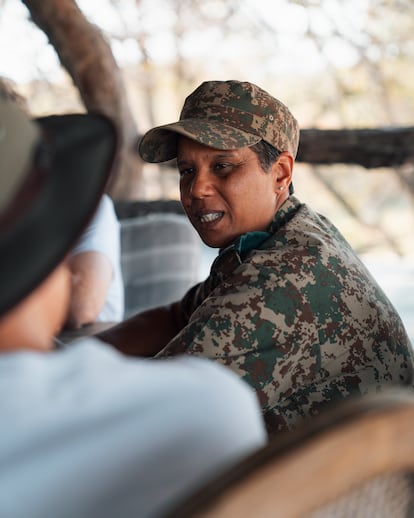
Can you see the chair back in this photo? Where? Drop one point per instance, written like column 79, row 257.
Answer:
column 354, row 460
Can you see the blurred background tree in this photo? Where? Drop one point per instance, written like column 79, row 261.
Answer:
column 336, row 64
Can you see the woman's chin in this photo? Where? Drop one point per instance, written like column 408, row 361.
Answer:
column 215, row 241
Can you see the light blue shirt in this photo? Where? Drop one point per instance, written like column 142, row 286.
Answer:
column 88, row 432
column 103, row 235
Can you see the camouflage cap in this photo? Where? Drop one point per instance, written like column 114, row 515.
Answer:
column 225, row 115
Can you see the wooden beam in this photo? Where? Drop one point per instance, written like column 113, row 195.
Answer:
column 379, row 147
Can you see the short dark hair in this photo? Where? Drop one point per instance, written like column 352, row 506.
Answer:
column 267, row 155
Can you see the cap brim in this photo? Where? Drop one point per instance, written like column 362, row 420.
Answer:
column 83, row 149
column 160, row 144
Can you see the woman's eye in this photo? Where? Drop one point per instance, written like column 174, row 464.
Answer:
column 185, row 171
column 223, row 167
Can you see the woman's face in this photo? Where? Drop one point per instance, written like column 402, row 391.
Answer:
column 225, row 193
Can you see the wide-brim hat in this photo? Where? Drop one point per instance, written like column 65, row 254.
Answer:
column 53, row 172
column 225, row 115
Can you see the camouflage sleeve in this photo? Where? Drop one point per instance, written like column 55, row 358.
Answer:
column 238, row 326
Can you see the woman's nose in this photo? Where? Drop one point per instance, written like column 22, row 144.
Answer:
column 201, row 185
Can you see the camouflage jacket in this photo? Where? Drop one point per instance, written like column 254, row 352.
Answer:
column 297, row 315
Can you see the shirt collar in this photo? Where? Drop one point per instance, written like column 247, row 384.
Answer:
column 285, row 213
column 252, row 240
column 233, row 254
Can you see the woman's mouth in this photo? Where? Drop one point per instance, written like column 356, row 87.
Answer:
column 210, row 217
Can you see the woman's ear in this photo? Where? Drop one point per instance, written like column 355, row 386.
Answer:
column 282, row 171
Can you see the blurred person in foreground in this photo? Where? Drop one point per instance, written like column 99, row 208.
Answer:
column 97, row 290
column 288, row 305
column 86, row 431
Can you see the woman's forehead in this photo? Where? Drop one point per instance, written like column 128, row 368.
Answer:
column 186, row 147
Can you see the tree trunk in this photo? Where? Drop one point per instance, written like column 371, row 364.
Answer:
column 87, row 56
column 379, row 147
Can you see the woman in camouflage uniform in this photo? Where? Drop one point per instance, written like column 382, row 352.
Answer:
column 287, row 305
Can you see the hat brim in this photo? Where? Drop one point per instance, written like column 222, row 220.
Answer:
column 82, row 153
column 160, row 144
